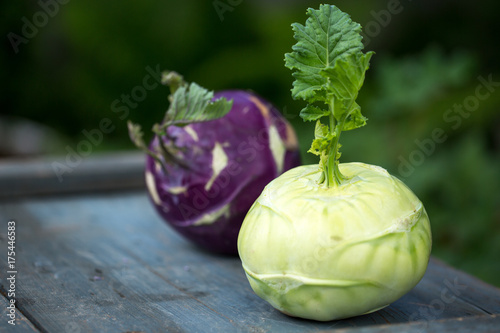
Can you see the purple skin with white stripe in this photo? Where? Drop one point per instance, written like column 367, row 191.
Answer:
column 227, row 162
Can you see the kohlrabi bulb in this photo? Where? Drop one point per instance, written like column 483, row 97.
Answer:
column 333, row 241
column 328, row 253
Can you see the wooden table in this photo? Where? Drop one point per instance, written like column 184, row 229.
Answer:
column 91, row 255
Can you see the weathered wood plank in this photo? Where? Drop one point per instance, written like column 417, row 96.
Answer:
column 108, row 263
column 476, row 324
column 22, row 324
column 78, row 269
column 48, row 175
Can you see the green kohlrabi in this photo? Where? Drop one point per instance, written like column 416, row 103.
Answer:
column 332, row 241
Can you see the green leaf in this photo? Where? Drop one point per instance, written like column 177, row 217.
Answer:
column 327, row 35
column 346, row 77
column 188, row 104
column 311, row 113
column 193, row 104
column 318, row 146
column 329, row 67
column 354, row 120
column 309, row 87
column 172, row 79
column 322, row 138
column 136, row 135
column 321, row 131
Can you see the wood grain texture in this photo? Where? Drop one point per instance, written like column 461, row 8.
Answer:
column 23, row 324
column 107, row 263
column 476, row 324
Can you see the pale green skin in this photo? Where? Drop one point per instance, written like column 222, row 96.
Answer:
column 332, row 253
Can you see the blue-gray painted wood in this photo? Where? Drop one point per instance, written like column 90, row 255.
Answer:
column 107, row 263
column 476, row 324
column 22, row 324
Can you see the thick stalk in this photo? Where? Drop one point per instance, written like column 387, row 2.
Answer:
column 329, row 167
column 333, row 176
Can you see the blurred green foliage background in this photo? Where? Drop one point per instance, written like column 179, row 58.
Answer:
column 62, row 76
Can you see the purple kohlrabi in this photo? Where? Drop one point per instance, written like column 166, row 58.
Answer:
column 218, row 168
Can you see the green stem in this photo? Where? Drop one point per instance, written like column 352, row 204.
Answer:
column 333, row 176
column 169, row 156
column 339, row 177
column 328, row 169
